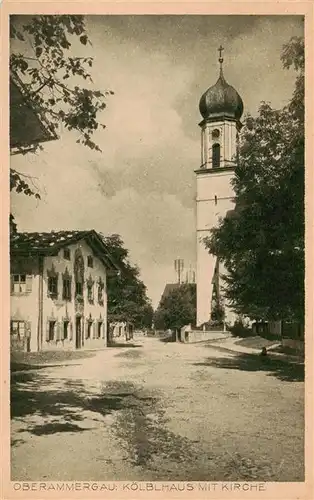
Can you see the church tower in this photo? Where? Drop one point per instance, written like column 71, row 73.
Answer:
column 221, row 108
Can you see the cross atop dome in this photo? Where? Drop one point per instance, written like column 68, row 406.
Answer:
column 220, row 49
column 221, row 100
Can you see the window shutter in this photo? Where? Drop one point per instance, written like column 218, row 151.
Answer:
column 62, row 330
column 47, row 331
column 86, row 329
column 57, row 286
column 70, row 330
column 58, row 330
column 29, row 279
column 70, row 294
column 12, row 283
column 63, row 290
column 94, row 329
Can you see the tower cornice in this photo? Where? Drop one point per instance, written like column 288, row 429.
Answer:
column 213, row 171
column 222, row 118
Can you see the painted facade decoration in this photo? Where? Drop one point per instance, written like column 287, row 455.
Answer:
column 58, row 290
column 221, row 108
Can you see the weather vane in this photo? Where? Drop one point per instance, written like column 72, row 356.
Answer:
column 220, row 49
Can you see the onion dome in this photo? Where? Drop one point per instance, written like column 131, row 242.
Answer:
column 221, row 100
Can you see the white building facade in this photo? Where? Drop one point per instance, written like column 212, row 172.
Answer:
column 58, row 290
column 221, row 108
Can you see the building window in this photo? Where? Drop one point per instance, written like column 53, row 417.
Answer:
column 90, row 262
column 66, row 285
column 51, row 331
column 18, row 328
column 66, row 254
column 89, row 329
column 66, row 294
column 216, row 155
column 66, row 329
column 78, row 288
column 216, row 200
column 90, row 293
column 53, row 286
column 19, row 283
column 99, row 327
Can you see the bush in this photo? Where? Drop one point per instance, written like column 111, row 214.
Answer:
column 240, row 330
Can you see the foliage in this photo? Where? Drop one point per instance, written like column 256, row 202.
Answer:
column 240, row 329
column 51, row 80
column 126, row 293
column 218, row 311
column 177, row 309
column 261, row 241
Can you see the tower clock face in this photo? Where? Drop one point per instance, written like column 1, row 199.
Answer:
column 215, row 133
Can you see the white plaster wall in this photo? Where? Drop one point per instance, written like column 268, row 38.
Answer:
column 227, row 141
column 202, row 336
column 60, row 308
column 208, row 213
column 204, row 273
column 24, row 307
column 209, row 184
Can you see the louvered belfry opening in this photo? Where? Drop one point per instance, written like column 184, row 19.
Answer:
column 216, row 155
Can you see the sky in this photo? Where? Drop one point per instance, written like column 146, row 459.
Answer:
column 142, row 184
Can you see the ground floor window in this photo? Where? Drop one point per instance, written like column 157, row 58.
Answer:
column 99, row 327
column 18, row 328
column 89, row 329
column 51, row 330
column 66, row 329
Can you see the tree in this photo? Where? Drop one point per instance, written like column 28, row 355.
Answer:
column 50, row 78
column 261, row 242
column 177, row 309
column 127, row 299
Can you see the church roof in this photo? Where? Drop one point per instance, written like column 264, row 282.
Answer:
column 49, row 243
column 170, row 287
column 221, row 100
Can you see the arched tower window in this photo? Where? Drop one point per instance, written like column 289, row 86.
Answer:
column 216, row 155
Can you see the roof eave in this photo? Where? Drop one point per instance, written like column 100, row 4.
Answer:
column 102, row 252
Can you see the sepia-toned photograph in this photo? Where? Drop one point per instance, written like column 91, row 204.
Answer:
column 157, row 249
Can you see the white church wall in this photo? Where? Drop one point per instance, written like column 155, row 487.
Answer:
column 209, row 210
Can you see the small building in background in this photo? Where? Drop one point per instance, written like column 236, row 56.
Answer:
column 58, row 290
column 120, row 330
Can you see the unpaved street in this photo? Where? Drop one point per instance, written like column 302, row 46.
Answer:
column 159, row 411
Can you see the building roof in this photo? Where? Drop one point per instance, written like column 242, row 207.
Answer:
column 28, row 125
column 173, row 286
column 49, row 243
column 221, row 100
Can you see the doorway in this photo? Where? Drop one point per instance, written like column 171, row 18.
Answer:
column 78, row 332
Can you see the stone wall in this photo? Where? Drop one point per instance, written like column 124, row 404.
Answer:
column 193, row 336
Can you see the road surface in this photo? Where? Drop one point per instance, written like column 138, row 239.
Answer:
column 159, row 411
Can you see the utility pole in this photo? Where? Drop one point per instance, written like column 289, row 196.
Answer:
column 179, row 267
